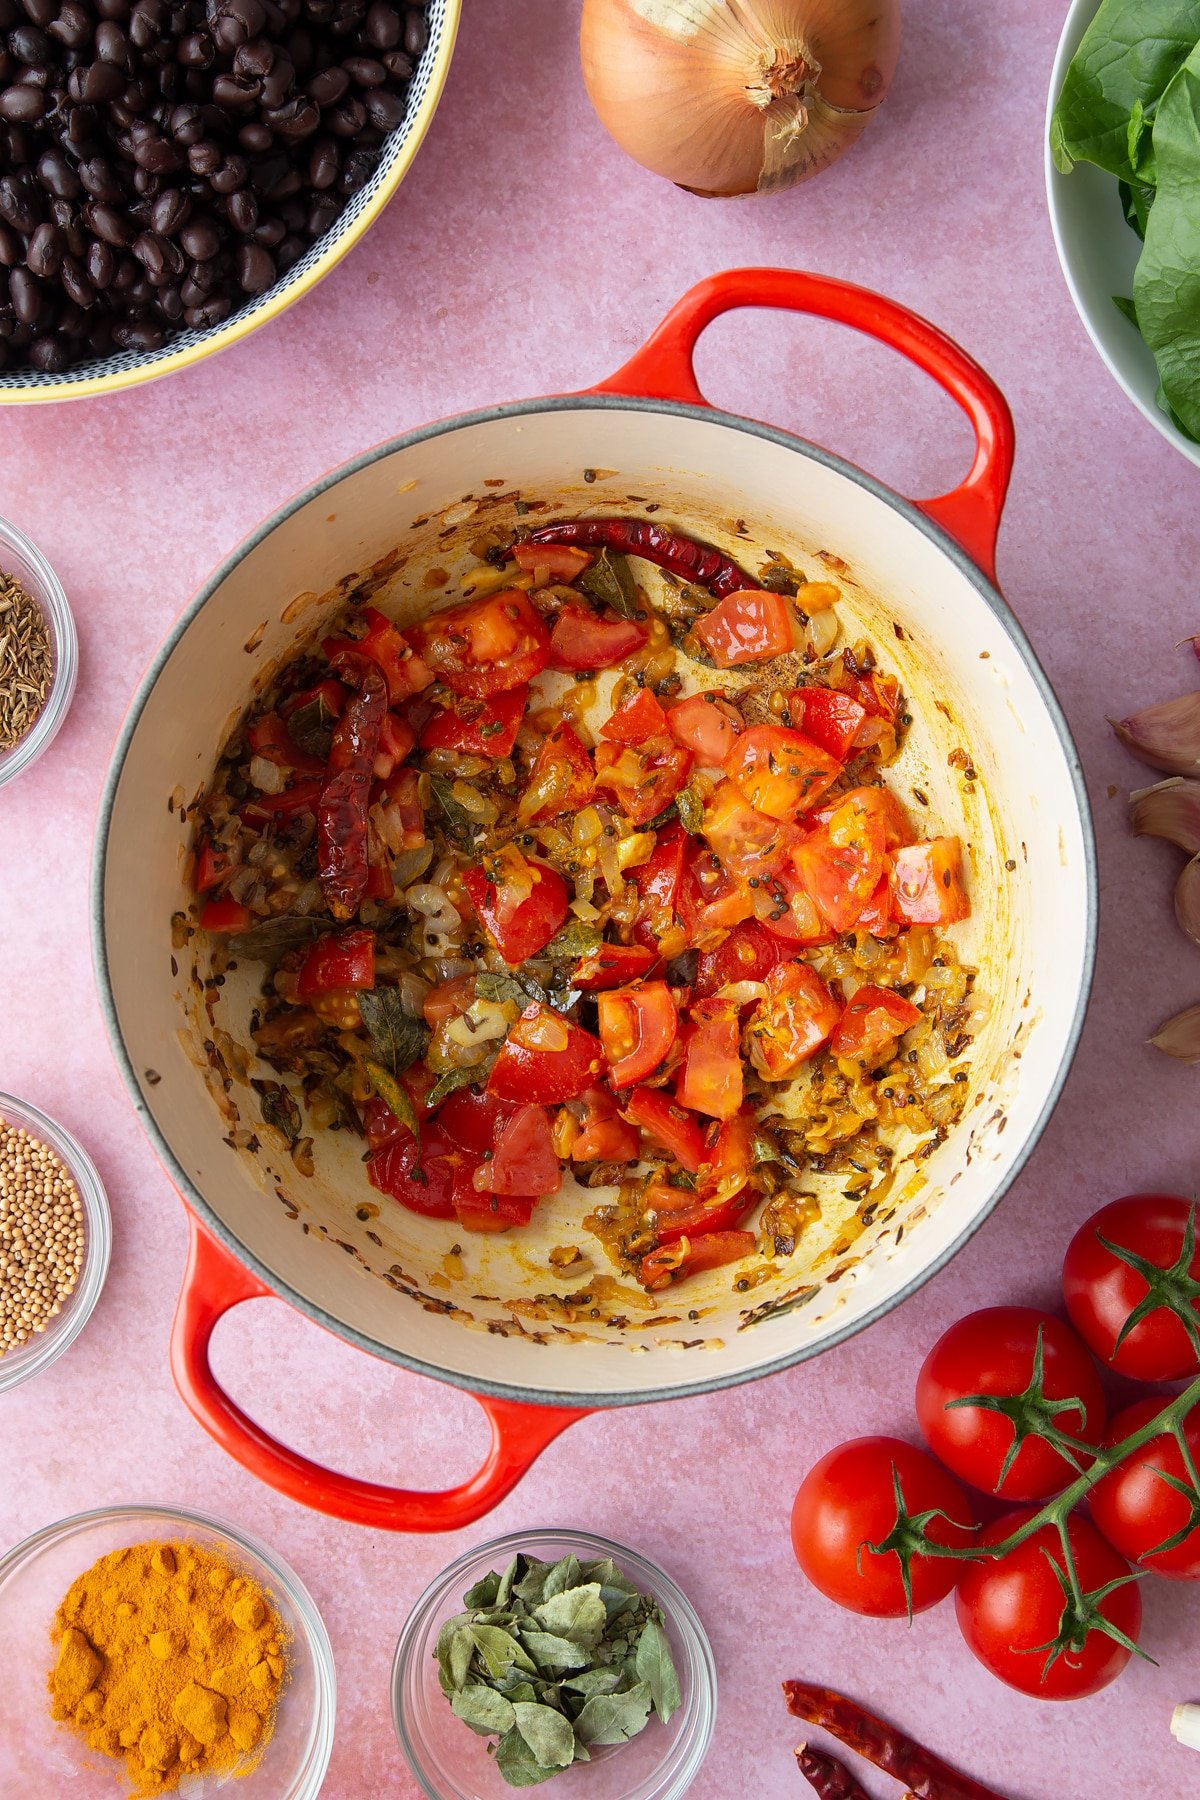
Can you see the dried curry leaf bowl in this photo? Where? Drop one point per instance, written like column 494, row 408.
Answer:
column 39, row 1757
column 129, row 368
column 537, row 1348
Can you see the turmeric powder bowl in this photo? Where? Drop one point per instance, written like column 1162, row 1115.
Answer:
column 41, row 1756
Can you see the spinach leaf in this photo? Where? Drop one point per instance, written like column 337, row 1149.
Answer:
column 1136, row 201
column 398, row 1041
column 610, row 581
column 1129, row 55
column 1166, row 282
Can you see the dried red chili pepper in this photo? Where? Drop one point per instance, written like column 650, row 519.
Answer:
column 345, row 798
column 827, row 1777
column 641, row 537
column 926, row 1775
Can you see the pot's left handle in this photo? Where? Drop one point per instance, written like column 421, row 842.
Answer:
column 213, row 1282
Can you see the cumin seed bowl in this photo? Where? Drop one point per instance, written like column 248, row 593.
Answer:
column 451, row 1763
column 24, row 562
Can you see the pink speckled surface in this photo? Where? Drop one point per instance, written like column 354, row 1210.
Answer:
column 525, row 254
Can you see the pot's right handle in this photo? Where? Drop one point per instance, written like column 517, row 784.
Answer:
column 663, row 369
column 213, row 1282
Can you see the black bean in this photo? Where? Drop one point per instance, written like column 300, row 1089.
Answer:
column 364, row 71
column 323, row 164
column 196, row 50
column 41, row 12
column 384, row 25
column 398, row 64
column 322, row 214
column 112, row 9
column 44, row 251
column 385, row 111
column 290, row 250
column 254, row 60
column 156, row 154
column 232, row 174
column 170, row 210
column 49, row 354
column 101, row 264
column 11, row 250
column 279, row 83
column 58, row 175
column 29, row 44
column 233, row 92
column 327, row 88
column 269, row 232
column 204, row 157
column 18, row 207
column 186, row 124
column 347, row 118
column 138, row 334
column 107, row 223
column 416, row 31
column 200, row 239
column 298, row 119
column 209, row 312
column 25, row 292
column 255, row 269
column 23, row 103
column 169, row 302
column 357, row 171
column 191, row 292
column 242, row 211
column 100, row 179
column 255, row 137
column 76, row 284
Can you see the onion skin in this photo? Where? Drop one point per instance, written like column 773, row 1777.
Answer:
column 727, row 97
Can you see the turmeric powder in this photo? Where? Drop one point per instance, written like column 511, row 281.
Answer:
column 168, row 1658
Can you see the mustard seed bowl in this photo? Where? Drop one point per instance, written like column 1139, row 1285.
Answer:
column 29, row 1359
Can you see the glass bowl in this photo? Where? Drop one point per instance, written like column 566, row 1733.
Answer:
column 451, row 1763
column 40, row 1351
column 40, row 1757
column 25, row 561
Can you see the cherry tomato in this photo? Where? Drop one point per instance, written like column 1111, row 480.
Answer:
column 643, row 778
column 477, row 727
column 612, row 965
column 749, row 953
column 562, row 777
column 430, row 1178
column 1009, row 1610
column 405, row 672
column 871, row 1024
column 878, row 802
column 831, row 719
column 524, row 1160
column 841, row 863
column 604, row 1136
column 474, row 1120
column 225, row 915
column 520, row 904
column 697, row 1218
column 746, row 841
column 927, row 883
column 794, row 1021
column 1102, row 1290
column 731, row 1158
column 788, row 910
column 658, row 882
column 747, row 626
column 1136, row 1509
column 581, row 641
column 668, row 1125
column 545, row 1059
column 341, row 959
column 557, row 562
column 712, row 1081
column 636, row 719
column 302, row 796
column 848, row 1500
column 780, row 772
column 712, row 899
column 992, row 1352
column 876, row 916
column 674, row 1262
column 487, row 646
column 638, row 1025
column 330, row 694
column 707, row 726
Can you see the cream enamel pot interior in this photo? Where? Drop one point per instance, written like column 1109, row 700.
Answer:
column 384, row 1284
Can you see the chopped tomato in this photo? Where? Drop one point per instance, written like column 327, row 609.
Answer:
column 658, row 883
column 712, row 1079
column 302, row 796
column 711, row 900
column 341, row 959
column 780, row 772
column 611, row 965
column 213, row 863
column 397, row 740
column 562, row 777
column 673, row 1262
column 927, row 884
column 702, row 1216
column 447, row 999
column 495, row 1212
column 432, row 1178
column 638, row 1025
column 876, row 915
column 731, row 1158
column 668, row 1125
column 746, row 841
column 379, row 1121
column 897, row 826
column 380, row 885
column 270, row 738
column 788, row 911
column 747, row 626
column 581, row 640
column 841, row 863
column 707, row 726
column 472, row 1119
column 749, row 953
column 871, row 1023
column 487, row 646
column 545, row 1059
column 225, row 915
column 604, row 1136
column 556, row 562
column 636, row 719
column 404, row 671
column 400, row 795
column 520, row 904
column 796, row 1019
column 523, row 1161
column 878, row 693
column 478, row 727
column 830, row 718
column 644, row 778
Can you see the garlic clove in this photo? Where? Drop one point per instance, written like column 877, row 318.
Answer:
column 1180, row 1036
column 1167, row 736
column 1170, row 810
column 1185, row 1725
column 1187, row 900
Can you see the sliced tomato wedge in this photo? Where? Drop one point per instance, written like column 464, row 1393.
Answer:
column 225, row 915
column 524, row 1161
column 749, row 953
column 636, row 719
column 780, row 772
column 702, row 1217
column 897, row 826
column 746, row 841
column 707, row 726
column 876, row 915
column 472, row 1119
column 582, row 640
column 612, row 965
column 712, row 1081
column 830, row 718
column 520, row 904
column 562, row 777
column 643, row 778
column 658, row 884
column 638, row 1025
column 747, row 626
column 213, row 863
column 341, row 959
column 386, row 646
column 604, row 1136
column 431, row 1178
column 671, row 1126
column 788, row 911
column 731, row 1158
column 927, row 884
column 675, row 1262
column 711, row 899
column 841, row 863
column 546, row 1059
column 553, row 562
column 797, row 1018
column 478, row 727
column 487, row 646
column 871, row 1024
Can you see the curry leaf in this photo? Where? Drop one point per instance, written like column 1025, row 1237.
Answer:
column 447, row 1083
column 594, row 1681
column 484, row 1710
column 520, row 989
column 614, row 1718
column 656, row 1668
column 279, row 1108
column 565, row 1574
column 485, row 1593
column 552, row 1652
column 311, row 727
column 573, row 941
column 610, row 581
column 275, row 937
column 394, row 1097
column 457, row 816
column 500, row 1650
column 579, row 1614
column 517, row 1763
column 690, row 808
column 398, row 1040
column 548, row 1734
column 462, row 1651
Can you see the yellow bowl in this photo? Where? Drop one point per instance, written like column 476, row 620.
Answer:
column 108, row 374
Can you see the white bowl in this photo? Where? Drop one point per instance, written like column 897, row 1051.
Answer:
column 1098, row 251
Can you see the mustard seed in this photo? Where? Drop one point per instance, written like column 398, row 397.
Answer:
column 41, row 1236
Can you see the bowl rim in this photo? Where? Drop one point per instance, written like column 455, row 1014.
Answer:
column 47, row 1346
column 511, row 411
column 52, row 598
column 321, row 1737
column 1079, row 16
column 503, row 1548
column 246, row 320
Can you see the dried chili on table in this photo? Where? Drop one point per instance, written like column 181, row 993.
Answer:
column 828, row 1778
column 926, row 1775
column 345, row 798
column 683, row 556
